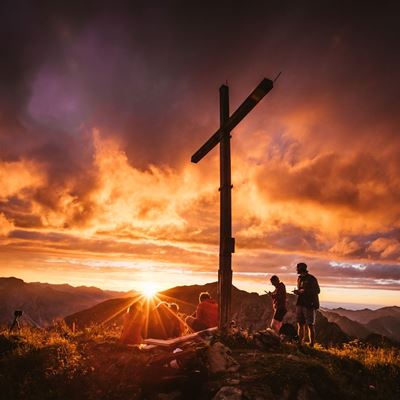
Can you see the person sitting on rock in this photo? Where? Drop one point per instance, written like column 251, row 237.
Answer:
column 278, row 302
column 162, row 323
column 179, row 325
column 174, row 307
column 132, row 325
column 206, row 315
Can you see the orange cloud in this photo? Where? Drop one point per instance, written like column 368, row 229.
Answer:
column 6, row 226
column 385, row 248
column 19, row 176
column 278, row 204
column 345, row 247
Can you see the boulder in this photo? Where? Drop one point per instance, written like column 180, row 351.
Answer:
column 307, row 392
column 229, row 393
column 267, row 339
column 220, row 360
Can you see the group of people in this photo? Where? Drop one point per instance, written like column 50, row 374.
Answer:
column 307, row 303
column 165, row 322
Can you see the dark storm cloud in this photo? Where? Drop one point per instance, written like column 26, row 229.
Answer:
column 375, row 271
column 148, row 71
column 137, row 71
column 121, row 66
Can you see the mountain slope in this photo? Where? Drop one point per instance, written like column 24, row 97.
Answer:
column 352, row 328
column 366, row 315
column 388, row 326
column 249, row 310
column 108, row 311
column 43, row 302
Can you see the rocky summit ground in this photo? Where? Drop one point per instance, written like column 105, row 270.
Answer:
column 91, row 364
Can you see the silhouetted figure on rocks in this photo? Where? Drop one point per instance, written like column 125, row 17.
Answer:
column 132, row 325
column 307, row 303
column 179, row 327
column 174, row 307
column 206, row 315
column 278, row 302
column 15, row 324
column 163, row 323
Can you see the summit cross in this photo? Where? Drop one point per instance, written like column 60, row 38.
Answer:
column 223, row 137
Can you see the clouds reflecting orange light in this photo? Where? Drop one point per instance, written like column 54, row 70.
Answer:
column 99, row 117
column 162, row 222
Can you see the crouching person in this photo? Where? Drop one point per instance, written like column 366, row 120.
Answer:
column 206, row 315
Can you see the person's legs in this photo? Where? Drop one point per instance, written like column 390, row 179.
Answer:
column 310, row 321
column 301, row 332
column 199, row 325
column 300, row 323
column 195, row 324
column 276, row 325
column 311, row 334
column 277, row 319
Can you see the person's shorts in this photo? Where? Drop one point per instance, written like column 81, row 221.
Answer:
column 305, row 315
column 279, row 314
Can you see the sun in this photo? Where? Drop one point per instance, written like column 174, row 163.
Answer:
column 149, row 290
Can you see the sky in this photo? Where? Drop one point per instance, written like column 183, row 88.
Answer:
column 103, row 103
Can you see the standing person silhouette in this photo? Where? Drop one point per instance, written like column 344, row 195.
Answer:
column 278, row 302
column 307, row 303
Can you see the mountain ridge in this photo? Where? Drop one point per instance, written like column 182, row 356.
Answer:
column 249, row 310
column 44, row 302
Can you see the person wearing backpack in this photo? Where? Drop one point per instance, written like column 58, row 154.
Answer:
column 307, row 303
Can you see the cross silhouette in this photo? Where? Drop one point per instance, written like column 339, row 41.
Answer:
column 223, row 136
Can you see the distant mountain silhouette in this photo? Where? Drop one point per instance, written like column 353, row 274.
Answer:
column 352, row 328
column 388, row 326
column 366, row 315
column 376, row 340
column 327, row 332
column 44, row 302
column 384, row 321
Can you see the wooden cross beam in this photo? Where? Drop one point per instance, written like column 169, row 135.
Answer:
column 222, row 136
column 231, row 122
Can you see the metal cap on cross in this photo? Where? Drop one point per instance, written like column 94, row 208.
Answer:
column 222, row 136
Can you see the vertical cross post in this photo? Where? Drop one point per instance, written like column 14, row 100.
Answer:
column 226, row 241
column 223, row 137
